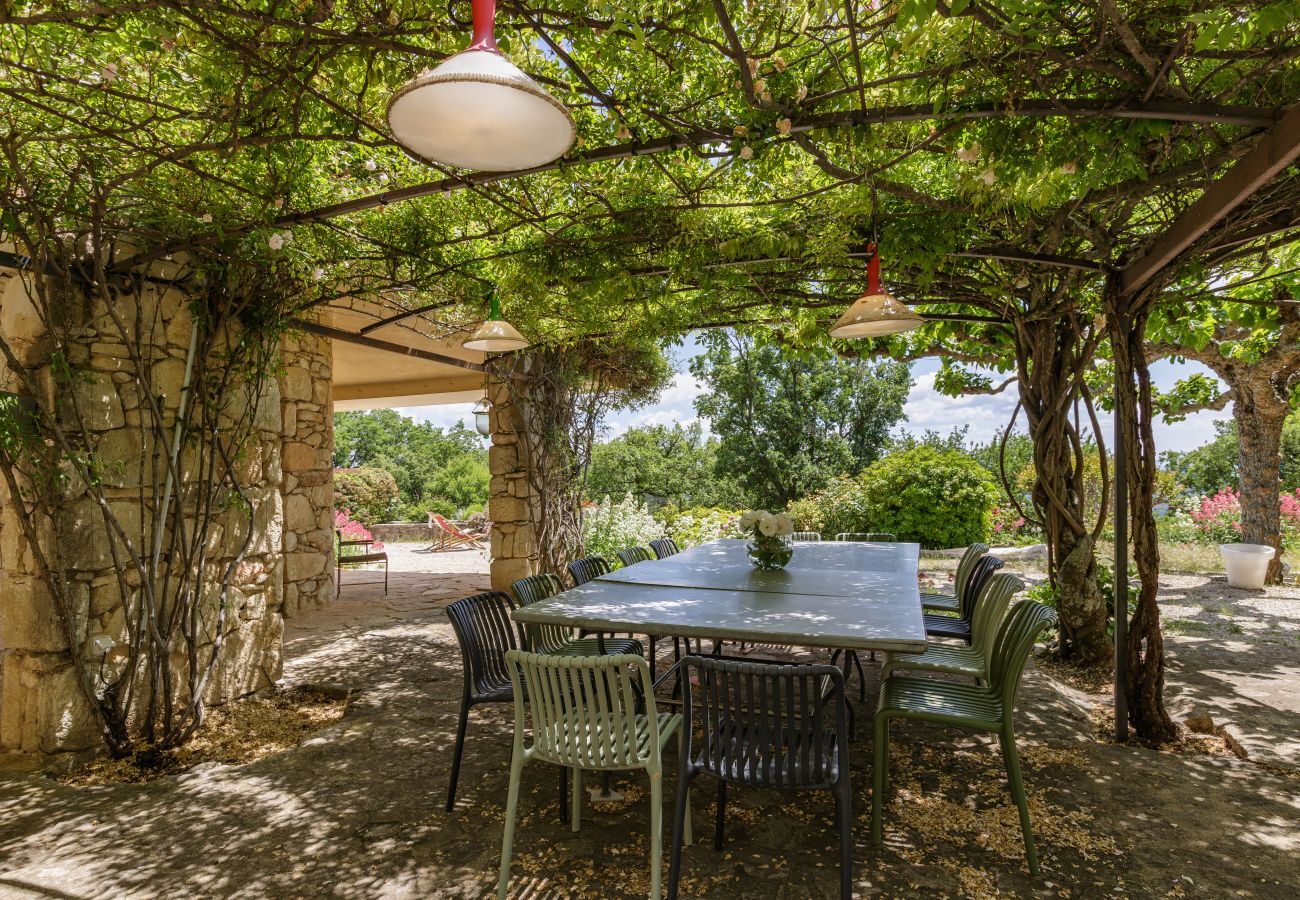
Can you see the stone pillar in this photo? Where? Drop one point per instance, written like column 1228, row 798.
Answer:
column 287, row 476
column 511, row 505
column 307, row 430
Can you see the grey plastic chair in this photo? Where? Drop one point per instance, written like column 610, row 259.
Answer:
column 630, row 556
column 664, row 547
column 806, row 536
column 767, row 725
column 883, row 537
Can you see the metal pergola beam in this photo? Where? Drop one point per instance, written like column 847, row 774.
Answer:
column 1155, row 110
column 1276, row 149
column 338, row 334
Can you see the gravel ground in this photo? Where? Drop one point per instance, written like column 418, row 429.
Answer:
column 356, row 810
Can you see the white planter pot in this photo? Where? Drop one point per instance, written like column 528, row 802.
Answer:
column 1247, row 564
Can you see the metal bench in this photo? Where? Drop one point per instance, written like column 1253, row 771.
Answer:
column 346, row 558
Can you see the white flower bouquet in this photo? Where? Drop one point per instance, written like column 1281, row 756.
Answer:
column 769, row 538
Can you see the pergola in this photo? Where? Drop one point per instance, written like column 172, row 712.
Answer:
column 732, row 166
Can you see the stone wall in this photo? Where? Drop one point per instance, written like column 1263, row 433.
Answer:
column 307, row 417
column 511, row 505
column 288, row 479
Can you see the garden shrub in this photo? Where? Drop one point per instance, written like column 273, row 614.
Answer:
column 1217, row 520
column 937, row 498
column 370, row 493
column 612, row 525
column 349, row 529
column 699, row 524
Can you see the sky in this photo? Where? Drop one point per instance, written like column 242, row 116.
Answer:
column 926, row 409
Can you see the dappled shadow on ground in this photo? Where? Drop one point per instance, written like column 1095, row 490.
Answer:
column 357, row 810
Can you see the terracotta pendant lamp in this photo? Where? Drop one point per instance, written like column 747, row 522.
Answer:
column 496, row 335
column 477, row 110
column 876, row 313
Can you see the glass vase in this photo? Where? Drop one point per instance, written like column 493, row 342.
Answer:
column 769, row 553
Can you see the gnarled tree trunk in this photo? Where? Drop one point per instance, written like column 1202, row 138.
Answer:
column 1053, row 353
column 1145, row 657
column 1260, row 413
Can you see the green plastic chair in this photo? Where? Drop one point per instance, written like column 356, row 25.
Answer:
column 806, row 536
column 583, row 714
column 952, row 604
column 988, row 708
column 877, row 536
column 959, row 659
column 555, row 639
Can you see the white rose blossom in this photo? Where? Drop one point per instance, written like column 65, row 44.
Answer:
column 748, row 520
column 275, row 242
column 784, row 525
column 767, row 526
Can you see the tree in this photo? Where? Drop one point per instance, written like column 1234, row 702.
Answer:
column 461, row 484
column 1255, row 351
column 670, row 461
column 414, row 453
column 1213, row 465
column 791, row 420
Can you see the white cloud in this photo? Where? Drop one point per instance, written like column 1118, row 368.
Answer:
column 986, row 415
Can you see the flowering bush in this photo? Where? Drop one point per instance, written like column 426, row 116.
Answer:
column 610, row 526
column 700, row 525
column 1009, row 527
column 352, row 530
column 1218, row 518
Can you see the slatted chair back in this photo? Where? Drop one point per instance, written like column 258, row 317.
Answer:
column 664, row 547
column 766, row 724
column 485, row 634
column 806, row 536
column 1014, row 641
column 972, row 555
column 990, row 610
column 877, row 536
column 583, row 709
column 541, row 638
column 630, row 556
column 981, row 572
column 587, row 568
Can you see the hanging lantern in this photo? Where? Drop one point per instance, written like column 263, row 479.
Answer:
column 482, row 417
column 876, row 313
column 477, row 110
column 496, row 335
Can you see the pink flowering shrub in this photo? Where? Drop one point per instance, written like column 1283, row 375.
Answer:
column 1218, row 518
column 352, row 530
column 1009, row 527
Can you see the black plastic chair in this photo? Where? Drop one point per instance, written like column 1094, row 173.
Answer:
column 484, row 632
column 588, row 568
column 664, row 547
column 959, row 626
column 633, row 555
column 767, row 725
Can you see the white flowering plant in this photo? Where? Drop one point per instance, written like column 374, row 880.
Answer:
column 769, row 538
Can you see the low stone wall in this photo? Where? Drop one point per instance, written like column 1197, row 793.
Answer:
column 400, row 532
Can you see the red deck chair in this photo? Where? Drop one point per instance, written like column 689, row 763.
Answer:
column 447, row 536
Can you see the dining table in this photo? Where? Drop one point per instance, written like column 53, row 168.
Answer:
column 840, row 595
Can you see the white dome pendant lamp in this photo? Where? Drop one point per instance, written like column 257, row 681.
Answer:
column 477, row 110
column 496, row 335
column 876, row 313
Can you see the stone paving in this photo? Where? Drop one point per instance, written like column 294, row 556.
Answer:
column 357, row 810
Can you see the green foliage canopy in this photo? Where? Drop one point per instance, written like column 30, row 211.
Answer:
column 790, row 421
column 671, row 462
